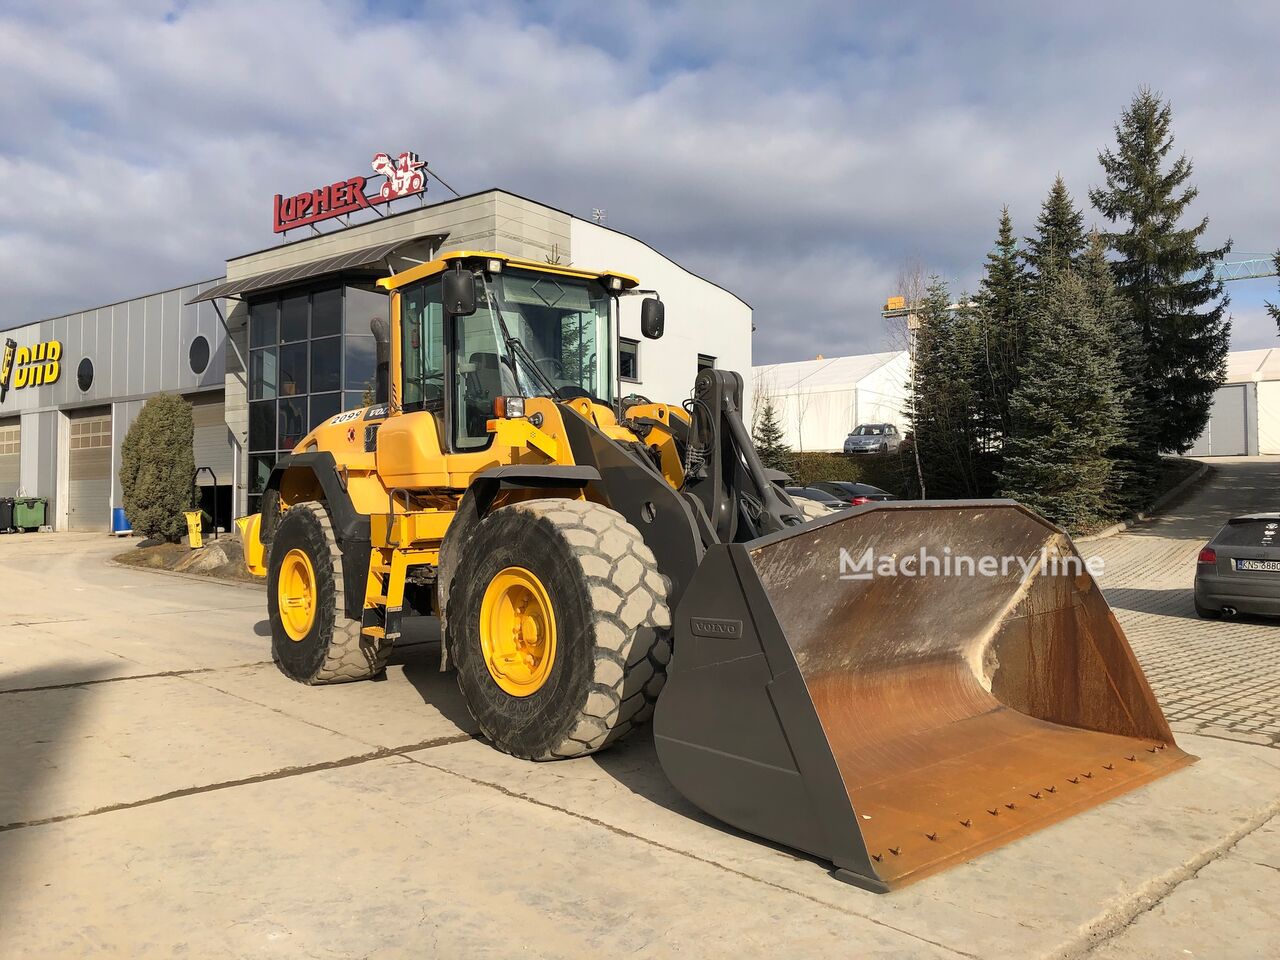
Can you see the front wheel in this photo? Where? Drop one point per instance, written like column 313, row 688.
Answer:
column 559, row 626
column 312, row 639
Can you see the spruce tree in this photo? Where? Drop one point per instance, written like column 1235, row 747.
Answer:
column 1176, row 301
column 1135, row 459
column 1000, row 310
column 1065, row 409
column 944, row 407
column 1059, row 237
column 770, row 443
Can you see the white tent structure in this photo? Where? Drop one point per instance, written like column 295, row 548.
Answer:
column 1246, row 409
column 818, row 402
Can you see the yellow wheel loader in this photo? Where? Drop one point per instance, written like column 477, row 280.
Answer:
column 596, row 561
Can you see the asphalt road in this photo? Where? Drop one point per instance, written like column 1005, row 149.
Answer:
column 164, row 791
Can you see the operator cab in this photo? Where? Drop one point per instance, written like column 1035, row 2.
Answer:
column 475, row 327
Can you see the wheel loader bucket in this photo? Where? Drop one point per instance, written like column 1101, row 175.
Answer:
column 836, row 691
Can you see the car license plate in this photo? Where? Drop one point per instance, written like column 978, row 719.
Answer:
column 1267, row 566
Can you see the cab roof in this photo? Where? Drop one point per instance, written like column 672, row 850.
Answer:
column 444, row 260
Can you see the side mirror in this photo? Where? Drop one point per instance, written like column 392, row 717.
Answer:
column 652, row 318
column 459, row 293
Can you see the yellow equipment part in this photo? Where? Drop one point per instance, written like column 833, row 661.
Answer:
column 195, row 528
column 297, row 594
column 250, row 529
column 518, row 631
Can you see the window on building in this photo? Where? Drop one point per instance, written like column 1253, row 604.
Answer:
column 326, row 313
column 302, row 371
column 84, row 375
column 198, row 355
column 706, row 362
column 628, row 359
column 326, row 364
column 294, row 318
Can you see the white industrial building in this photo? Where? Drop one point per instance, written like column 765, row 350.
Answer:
column 818, row 402
column 1246, row 411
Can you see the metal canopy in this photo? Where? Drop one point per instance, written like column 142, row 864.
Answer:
column 290, row 275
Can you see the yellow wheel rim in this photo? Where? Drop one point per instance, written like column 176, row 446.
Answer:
column 296, row 592
column 518, row 632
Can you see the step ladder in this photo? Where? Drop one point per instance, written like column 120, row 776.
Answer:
column 384, row 594
column 399, row 541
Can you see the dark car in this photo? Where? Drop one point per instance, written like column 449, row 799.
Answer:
column 821, row 496
column 1238, row 571
column 873, row 438
column 852, row 494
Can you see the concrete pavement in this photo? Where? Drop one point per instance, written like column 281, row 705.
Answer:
column 166, row 791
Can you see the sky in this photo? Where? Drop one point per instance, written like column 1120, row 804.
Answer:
column 799, row 154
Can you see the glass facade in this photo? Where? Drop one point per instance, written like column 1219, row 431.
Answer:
column 309, row 359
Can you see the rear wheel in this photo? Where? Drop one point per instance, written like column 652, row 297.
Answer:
column 559, row 627
column 312, row 639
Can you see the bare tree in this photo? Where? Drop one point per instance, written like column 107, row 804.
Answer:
column 912, row 284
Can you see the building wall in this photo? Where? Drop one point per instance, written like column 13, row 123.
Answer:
column 1269, row 417
column 882, row 395
column 138, row 348
column 702, row 318
column 818, row 402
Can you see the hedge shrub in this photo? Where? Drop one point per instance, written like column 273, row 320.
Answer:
column 157, row 468
column 894, row 472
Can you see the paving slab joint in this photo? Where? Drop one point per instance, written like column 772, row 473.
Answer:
column 1107, row 927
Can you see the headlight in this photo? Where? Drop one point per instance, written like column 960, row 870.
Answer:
column 510, row 408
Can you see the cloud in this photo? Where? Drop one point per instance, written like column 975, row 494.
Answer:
column 798, row 154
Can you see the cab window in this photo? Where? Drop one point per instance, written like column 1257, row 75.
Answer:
column 422, row 347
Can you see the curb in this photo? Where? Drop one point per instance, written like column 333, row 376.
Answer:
column 198, row 578
column 1149, row 513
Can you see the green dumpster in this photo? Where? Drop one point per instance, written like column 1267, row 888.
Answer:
column 28, row 512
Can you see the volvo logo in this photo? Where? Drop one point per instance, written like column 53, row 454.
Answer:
column 715, row 629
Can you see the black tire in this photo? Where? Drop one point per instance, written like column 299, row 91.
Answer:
column 333, row 651
column 612, row 622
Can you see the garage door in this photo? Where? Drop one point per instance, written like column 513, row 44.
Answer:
column 211, row 443
column 1227, row 434
column 89, row 471
column 10, row 444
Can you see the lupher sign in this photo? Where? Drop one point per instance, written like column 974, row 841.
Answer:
column 29, row 366
column 403, row 177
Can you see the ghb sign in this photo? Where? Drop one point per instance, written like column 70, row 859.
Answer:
column 403, row 176
column 29, row 366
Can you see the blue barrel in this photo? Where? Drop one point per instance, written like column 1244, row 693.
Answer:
column 119, row 523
